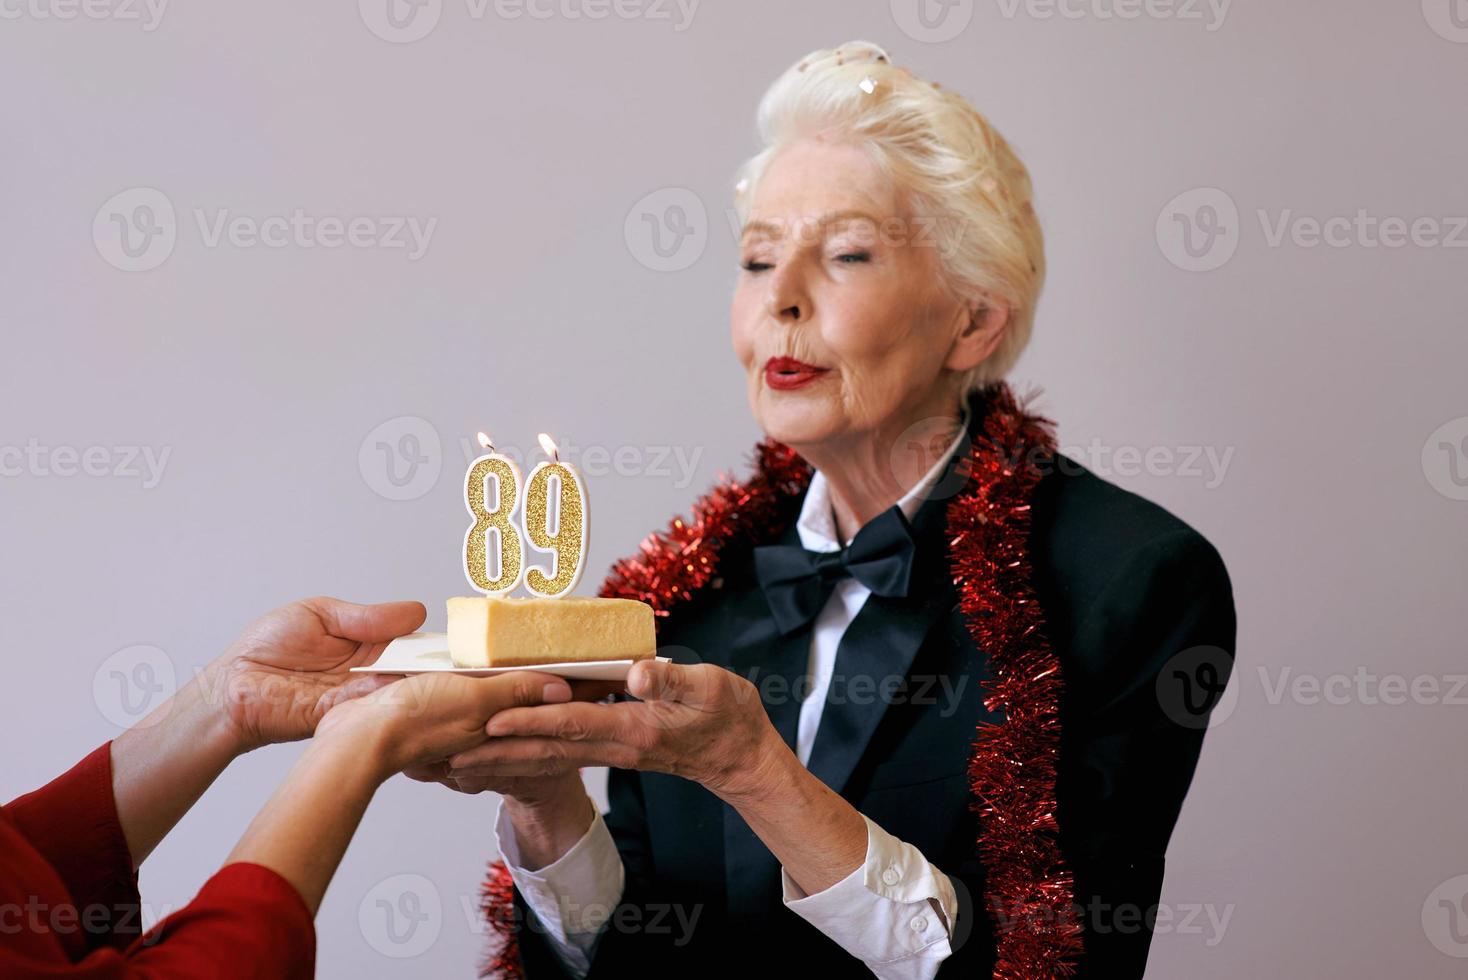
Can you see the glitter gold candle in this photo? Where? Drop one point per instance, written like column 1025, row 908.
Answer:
column 556, row 522
column 491, row 493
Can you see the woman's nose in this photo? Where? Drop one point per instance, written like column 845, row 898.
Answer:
column 788, row 300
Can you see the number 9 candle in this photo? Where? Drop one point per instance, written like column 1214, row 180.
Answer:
column 559, row 482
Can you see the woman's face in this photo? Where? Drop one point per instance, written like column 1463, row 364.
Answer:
column 841, row 317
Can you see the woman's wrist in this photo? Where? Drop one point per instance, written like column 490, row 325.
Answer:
column 760, row 777
column 211, row 694
column 818, row 837
column 364, row 738
column 549, row 824
column 303, row 830
column 164, row 763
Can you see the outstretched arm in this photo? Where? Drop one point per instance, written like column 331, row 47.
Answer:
column 274, row 684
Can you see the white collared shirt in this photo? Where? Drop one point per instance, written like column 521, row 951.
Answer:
column 882, row 913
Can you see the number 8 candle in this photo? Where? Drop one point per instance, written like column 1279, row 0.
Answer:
column 567, row 543
column 506, row 476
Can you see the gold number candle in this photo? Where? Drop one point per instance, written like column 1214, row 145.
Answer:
column 559, row 483
column 491, row 493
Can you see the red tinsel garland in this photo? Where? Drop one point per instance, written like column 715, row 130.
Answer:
column 497, row 904
column 1029, row 892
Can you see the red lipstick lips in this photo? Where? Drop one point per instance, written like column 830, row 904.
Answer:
column 786, row 373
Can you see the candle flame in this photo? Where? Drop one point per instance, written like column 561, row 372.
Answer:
column 484, row 441
column 549, row 445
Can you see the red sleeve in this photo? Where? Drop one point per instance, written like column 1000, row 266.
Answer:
column 72, row 822
column 247, row 923
column 68, row 870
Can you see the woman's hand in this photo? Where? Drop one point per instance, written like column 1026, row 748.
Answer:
column 423, row 719
column 552, row 786
column 696, row 721
column 700, row 722
column 290, row 667
column 305, row 828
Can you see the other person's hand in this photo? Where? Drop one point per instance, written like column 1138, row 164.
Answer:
column 291, row 666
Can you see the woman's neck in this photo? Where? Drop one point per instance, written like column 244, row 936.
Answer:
column 868, row 472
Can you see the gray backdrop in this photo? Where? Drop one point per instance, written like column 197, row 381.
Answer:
column 228, row 406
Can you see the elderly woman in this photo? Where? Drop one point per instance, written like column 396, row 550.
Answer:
column 917, row 720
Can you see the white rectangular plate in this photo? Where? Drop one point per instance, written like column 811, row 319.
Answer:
column 423, row 653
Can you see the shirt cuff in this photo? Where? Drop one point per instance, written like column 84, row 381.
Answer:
column 882, row 913
column 573, row 896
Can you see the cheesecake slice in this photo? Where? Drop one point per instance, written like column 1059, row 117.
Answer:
column 494, row 631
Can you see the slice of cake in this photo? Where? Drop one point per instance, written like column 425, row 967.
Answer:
column 493, row 631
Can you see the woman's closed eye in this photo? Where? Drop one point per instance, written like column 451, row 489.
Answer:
column 841, row 258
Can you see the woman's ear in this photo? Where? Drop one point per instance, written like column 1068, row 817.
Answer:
column 988, row 318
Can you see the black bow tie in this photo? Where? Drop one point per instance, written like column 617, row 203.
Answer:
column 797, row 582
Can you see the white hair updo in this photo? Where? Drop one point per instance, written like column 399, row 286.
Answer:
column 956, row 170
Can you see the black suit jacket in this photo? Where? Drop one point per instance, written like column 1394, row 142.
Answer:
column 1135, row 601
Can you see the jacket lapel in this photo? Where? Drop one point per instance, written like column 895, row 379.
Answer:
column 872, row 665
column 776, row 665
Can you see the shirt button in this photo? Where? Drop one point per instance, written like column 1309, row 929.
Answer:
column 891, row 877
column 919, row 923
